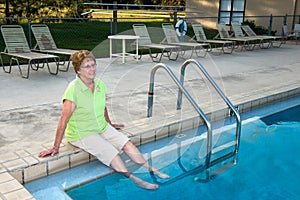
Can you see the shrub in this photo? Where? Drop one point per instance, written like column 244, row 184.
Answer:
column 259, row 30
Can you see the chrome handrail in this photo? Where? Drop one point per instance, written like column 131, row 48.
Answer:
column 191, row 100
column 227, row 101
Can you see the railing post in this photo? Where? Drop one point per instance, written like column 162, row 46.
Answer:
column 115, row 18
column 175, row 17
column 285, row 19
column 111, row 26
column 29, row 33
column 270, row 25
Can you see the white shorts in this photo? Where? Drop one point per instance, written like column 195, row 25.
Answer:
column 104, row 146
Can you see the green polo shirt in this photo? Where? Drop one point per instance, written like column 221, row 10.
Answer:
column 88, row 116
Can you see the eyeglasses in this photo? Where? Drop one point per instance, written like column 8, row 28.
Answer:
column 89, row 66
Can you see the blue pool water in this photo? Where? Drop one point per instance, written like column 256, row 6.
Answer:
column 267, row 168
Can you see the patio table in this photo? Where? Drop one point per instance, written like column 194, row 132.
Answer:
column 123, row 54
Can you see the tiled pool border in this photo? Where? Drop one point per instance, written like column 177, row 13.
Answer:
column 25, row 166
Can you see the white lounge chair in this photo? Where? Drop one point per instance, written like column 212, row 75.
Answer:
column 172, row 39
column 146, row 43
column 46, row 44
column 295, row 35
column 16, row 46
column 221, row 46
column 238, row 33
column 279, row 40
column 297, row 32
column 245, row 43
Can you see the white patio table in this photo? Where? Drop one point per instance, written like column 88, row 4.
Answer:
column 123, row 54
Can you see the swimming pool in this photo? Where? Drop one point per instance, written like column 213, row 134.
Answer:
column 267, row 168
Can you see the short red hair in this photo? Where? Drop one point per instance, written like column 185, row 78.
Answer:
column 78, row 57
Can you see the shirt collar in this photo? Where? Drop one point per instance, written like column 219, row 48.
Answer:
column 83, row 87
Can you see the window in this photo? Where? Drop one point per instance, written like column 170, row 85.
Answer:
column 232, row 10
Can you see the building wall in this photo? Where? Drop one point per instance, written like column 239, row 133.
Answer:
column 203, row 8
column 209, row 9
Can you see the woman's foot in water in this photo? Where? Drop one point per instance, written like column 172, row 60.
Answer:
column 143, row 184
column 160, row 174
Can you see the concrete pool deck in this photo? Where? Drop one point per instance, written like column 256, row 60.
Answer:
column 30, row 109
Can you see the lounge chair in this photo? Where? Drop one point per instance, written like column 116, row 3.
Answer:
column 172, row 39
column 219, row 45
column 285, row 32
column 273, row 39
column 146, row 43
column 245, row 43
column 46, row 44
column 291, row 35
column 238, row 33
column 296, row 33
column 17, row 48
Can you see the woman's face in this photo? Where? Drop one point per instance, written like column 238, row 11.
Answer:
column 87, row 69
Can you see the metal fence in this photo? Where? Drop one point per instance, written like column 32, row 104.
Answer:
column 87, row 33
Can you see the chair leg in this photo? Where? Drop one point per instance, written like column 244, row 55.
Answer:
column 57, row 66
column 20, row 70
column 279, row 42
column 269, row 44
column 63, row 64
column 3, row 67
column 218, row 50
column 198, row 53
column 35, row 65
column 154, row 55
column 170, row 54
column 229, row 46
column 297, row 39
column 248, row 46
column 28, row 70
column 6, row 70
column 158, row 57
column 182, row 52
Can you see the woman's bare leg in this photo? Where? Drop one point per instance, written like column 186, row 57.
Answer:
column 118, row 165
column 136, row 156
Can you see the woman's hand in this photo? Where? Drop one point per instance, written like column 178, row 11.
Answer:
column 51, row 152
column 67, row 110
column 117, row 126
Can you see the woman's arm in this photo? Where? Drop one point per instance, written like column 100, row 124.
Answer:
column 67, row 110
column 116, row 126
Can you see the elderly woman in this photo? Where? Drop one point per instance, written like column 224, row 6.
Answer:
column 85, row 122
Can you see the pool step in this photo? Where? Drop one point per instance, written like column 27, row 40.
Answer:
column 219, row 169
column 223, row 168
column 223, row 147
column 223, row 158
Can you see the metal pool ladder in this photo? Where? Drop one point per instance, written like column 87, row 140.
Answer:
column 209, row 163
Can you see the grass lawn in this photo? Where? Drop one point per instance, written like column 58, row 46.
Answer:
column 90, row 35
